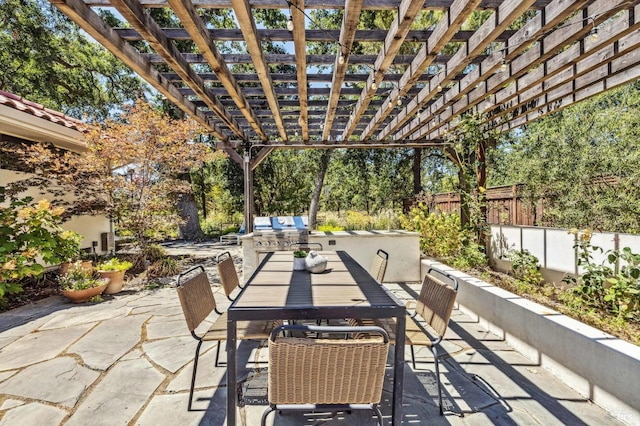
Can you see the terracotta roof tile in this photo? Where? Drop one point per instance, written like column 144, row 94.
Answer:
column 35, row 109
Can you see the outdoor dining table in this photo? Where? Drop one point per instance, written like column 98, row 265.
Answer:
column 344, row 290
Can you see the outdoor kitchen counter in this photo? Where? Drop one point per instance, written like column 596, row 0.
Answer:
column 403, row 248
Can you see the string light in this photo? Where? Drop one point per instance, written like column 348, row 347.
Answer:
column 593, row 35
column 399, row 102
column 503, row 66
column 374, row 86
column 290, row 24
column 341, row 59
column 439, row 88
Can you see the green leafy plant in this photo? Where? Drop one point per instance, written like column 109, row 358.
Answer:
column 525, row 267
column 300, row 254
column 613, row 287
column 30, row 238
column 114, row 264
column 79, row 278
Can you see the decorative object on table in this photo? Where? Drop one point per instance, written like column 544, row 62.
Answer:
column 315, row 263
column 113, row 269
column 80, row 285
column 299, row 258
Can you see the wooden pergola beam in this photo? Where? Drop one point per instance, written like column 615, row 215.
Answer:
column 199, row 33
column 300, row 47
column 323, row 36
column 350, row 20
column 242, row 10
column 311, row 4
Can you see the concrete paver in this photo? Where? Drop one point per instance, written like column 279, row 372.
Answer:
column 129, row 360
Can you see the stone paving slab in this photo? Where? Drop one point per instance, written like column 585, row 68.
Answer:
column 34, row 414
column 59, row 381
column 116, row 400
column 41, row 346
column 109, row 341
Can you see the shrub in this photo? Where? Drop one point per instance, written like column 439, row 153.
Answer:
column 614, row 287
column 524, row 267
column 31, row 236
column 155, row 252
column 164, row 267
column 442, row 237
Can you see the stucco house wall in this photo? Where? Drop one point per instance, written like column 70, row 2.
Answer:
column 22, row 120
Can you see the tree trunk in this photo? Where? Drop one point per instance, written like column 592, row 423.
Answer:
column 189, row 229
column 417, row 171
column 315, row 198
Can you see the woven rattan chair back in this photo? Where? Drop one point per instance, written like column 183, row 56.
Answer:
column 196, row 299
column 435, row 303
column 228, row 275
column 379, row 265
column 327, row 371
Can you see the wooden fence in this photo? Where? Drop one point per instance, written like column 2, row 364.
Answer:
column 505, row 205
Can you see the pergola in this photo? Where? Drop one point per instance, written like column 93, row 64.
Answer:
column 561, row 52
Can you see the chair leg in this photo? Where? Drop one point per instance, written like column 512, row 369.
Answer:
column 217, row 364
column 434, row 350
column 265, row 414
column 376, row 410
column 193, row 374
column 413, row 357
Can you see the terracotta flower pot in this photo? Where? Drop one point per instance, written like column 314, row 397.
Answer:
column 81, row 296
column 116, row 280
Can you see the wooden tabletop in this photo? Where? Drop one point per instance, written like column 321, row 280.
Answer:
column 345, row 283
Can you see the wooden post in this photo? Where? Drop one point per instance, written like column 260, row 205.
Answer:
column 248, row 194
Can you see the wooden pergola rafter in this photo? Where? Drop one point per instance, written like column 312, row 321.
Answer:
column 526, row 59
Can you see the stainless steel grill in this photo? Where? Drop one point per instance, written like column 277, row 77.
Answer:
column 279, row 232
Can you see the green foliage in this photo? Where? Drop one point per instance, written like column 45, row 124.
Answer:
column 582, row 162
column 614, row 287
column 30, row 237
column 80, row 278
column 300, row 254
column 442, row 237
column 525, row 267
column 114, row 264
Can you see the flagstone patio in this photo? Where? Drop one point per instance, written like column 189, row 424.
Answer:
column 128, row 360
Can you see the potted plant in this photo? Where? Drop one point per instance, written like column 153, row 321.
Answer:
column 299, row 257
column 114, row 270
column 80, row 284
column 68, row 250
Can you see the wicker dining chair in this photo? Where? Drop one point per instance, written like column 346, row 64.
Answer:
column 198, row 302
column 434, row 305
column 379, row 265
column 228, row 274
column 327, row 374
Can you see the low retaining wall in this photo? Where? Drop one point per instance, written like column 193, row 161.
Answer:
column 598, row 365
